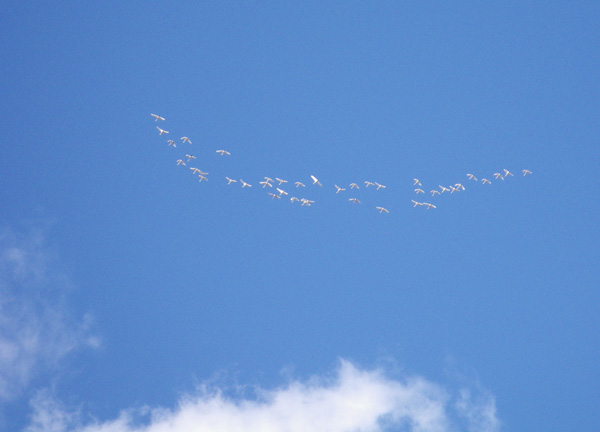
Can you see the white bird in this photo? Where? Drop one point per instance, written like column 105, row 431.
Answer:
column 306, row 202
column 292, row 199
column 202, row 178
column 379, row 186
column 172, row 143
column 339, row 189
column 195, row 170
column 354, row 186
column 244, row 184
column 418, row 191
column 434, row 191
column 525, row 172
column 180, row 162
column 507, row 173
column 190, row 157
column 368, row 183
column 161, row 131
column 229, row 181
column 472, row 177
column 453, row 189
column 381, row 209
column 417, row 182
column 315, row 181
column 484, row 181
column 444, row 189
column 185, row 139
column 416, row 203
column 459, row 186
column 498, row 176
column 429, row 205
column 269, row 179
column 298, row 184
column 354, row 200
column 281, row 181
column 157, row 117
column 265, row 183
column 274, row 195
column 224, row 152
column 281, row 192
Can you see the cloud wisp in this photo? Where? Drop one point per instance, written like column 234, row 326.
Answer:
column 36, row 331
column 349, row 400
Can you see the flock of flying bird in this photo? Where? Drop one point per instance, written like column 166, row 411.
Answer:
column 270, row 183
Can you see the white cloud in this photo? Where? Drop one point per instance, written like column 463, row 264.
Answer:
column 35, row 329
column 351, row 400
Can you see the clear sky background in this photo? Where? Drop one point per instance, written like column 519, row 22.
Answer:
column 134, row 297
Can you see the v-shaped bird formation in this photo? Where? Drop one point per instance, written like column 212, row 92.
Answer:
column 267, row 182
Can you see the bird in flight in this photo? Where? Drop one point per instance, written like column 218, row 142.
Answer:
column 525, row 172
column 157, row 117
column 180, row 162
column 418, row 191
column 472, row 177
column 434, row 191
column 224, row 152
column 459, row 186
column 274, row 195
column 507, row 173
column 244, row 184
column 161, row 131
column 298, row 184
column 379, row 186
column 265, row 183
column 281, row 181
column 281, row 192
column 202, row 178
column 354, row 200
column 368, row 183
column 339, row 189
column 444, row 189
column 354, row 186
column 416, row 203
column 195, row 170
column 417, row 182
column 429, row 205
column 186, row 139
column 292, row 199
column 190, row 157
column 306, row 202
column 381, row 209
column 484, row 181
column 498, row 176
column 315, row 180
column 172, row 143
column 229, row 181
column 453, row 189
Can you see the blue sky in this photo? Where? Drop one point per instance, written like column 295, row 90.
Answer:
column 134, row 297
